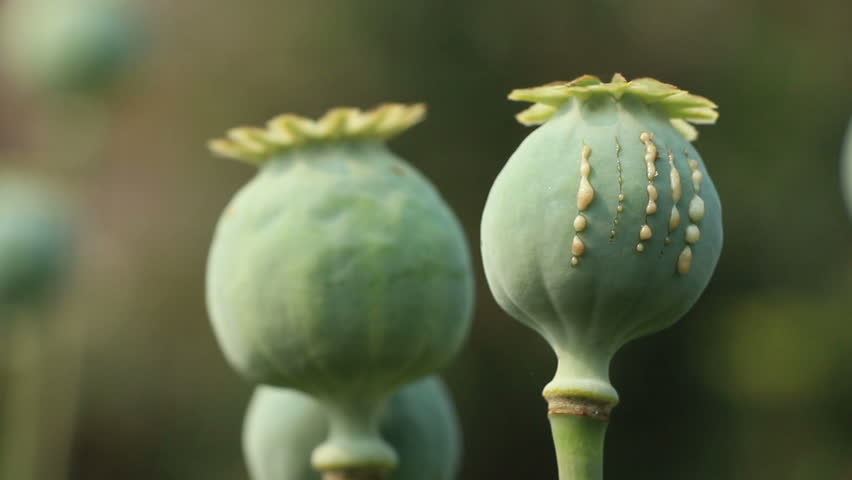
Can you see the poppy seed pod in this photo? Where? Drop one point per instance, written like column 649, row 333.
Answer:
column 35, row 243
column 338, row 271
column 69, row 45
column 283, row 426
column 603, row 226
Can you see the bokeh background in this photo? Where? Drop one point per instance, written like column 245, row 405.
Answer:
column 754, row 383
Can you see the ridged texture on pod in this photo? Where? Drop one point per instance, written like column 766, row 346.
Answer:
column 604, row 224
column 35, row 242
column 282, row 427
column 69, row 45
column 339, row 271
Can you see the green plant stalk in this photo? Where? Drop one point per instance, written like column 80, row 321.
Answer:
column 580, row 400
column 353, row 430
column 68, row 348
column 73, row 135
column 21, row 429
column 579, row 442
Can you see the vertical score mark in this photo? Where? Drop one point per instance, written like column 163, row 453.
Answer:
column 619, row 207
column 585, row 195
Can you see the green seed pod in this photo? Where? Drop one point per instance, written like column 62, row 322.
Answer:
column 69, row 46
column 603, row 226
column 283, row 426
column 846, row 167
column 35, row 243
column 338, row 271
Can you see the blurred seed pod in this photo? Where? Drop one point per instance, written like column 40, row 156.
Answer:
column 69, row 46
column 36, row 236
column 283, row 426
column 338, row 270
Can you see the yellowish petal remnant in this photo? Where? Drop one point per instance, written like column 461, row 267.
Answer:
column 256, row 145
column 682, row 107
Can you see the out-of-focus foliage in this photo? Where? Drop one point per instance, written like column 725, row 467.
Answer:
column 35, row 243
column 68, row 45
column 846, row 167
column 753, row 383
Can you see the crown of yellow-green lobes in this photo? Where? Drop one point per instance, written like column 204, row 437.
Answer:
column 284, row 132
column 682, row 107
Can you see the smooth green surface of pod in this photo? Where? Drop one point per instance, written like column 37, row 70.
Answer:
column 578, row 236
column 35, row 242
column 338, row 270
column 69, row 45
column 282, row 427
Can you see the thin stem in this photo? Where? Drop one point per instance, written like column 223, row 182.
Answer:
column 21, row 442
column 68, row 340
column 578, row 424
column 72, row 137
column 579, row 442
column 354, row 449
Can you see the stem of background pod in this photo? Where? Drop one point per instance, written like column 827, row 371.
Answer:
column 355, row 449
column 21, row 439
column 71, row 134
column 578, row 426
column 74, row 135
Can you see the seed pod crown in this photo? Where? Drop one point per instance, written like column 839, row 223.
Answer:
column 287, row 131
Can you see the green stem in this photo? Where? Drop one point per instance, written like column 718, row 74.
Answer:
column 579, row 401
column 65, row 375
column 21, row 428
column 72, row 134
column 579, row 442
column 354, row 449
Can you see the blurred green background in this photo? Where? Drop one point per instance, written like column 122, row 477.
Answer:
column 755, row 382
